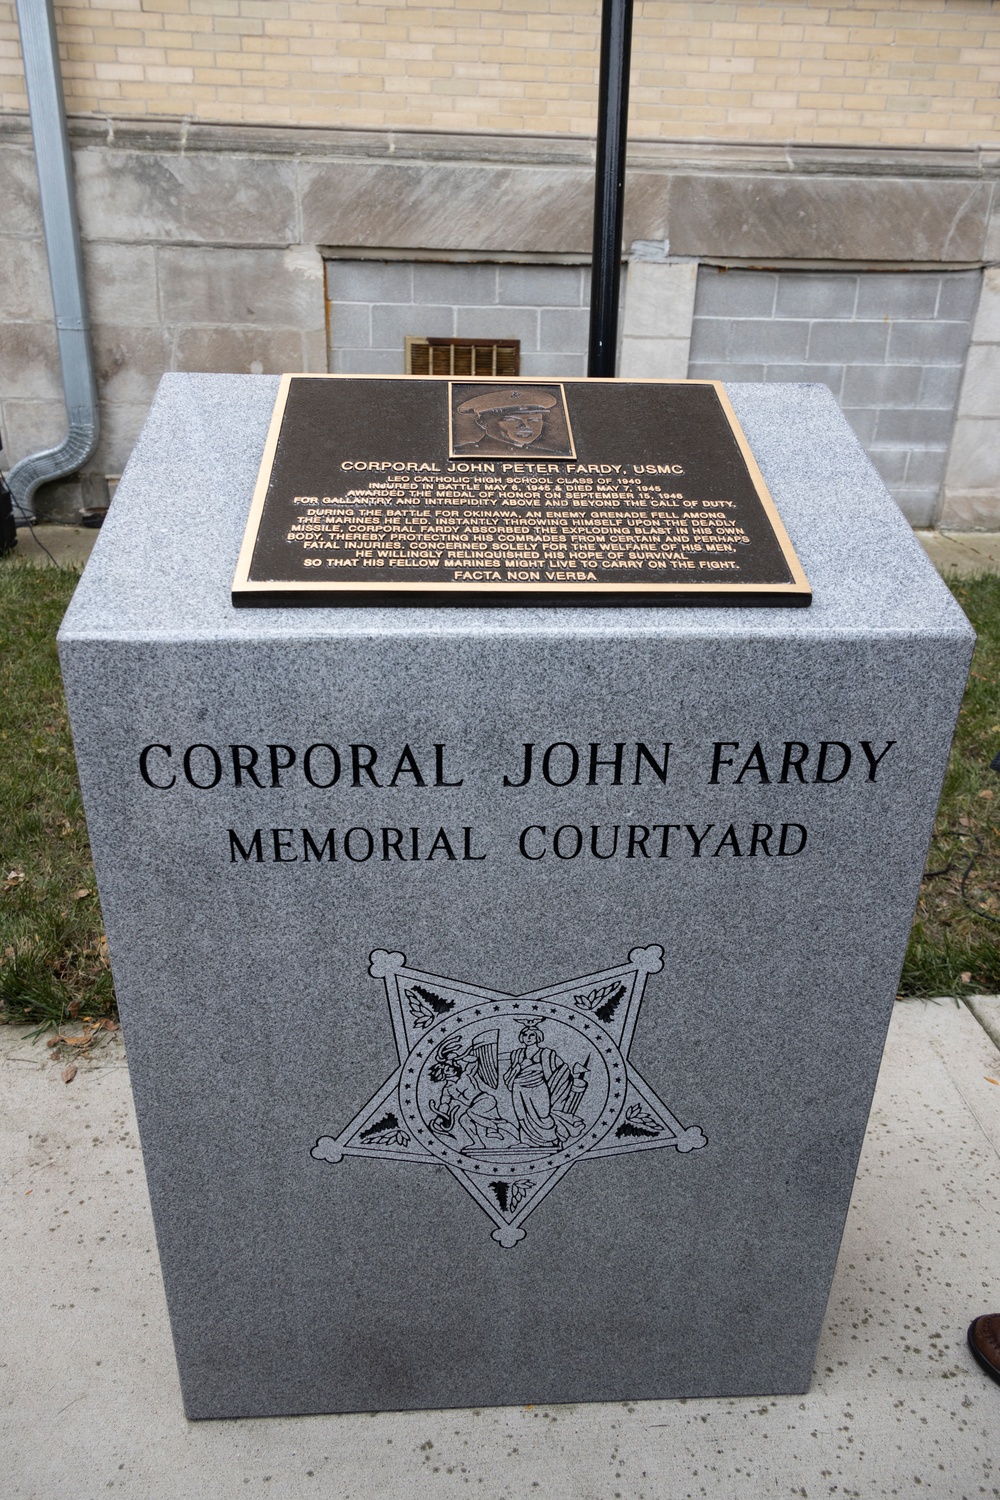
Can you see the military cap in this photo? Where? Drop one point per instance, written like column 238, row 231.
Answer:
column 514, row 399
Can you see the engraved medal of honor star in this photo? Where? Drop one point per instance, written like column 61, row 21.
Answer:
column 510, row 1092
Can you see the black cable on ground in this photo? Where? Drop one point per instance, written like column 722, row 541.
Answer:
column 8, row 530
column 952, row 866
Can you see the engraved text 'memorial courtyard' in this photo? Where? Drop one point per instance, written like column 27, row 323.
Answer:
column 511, row 1091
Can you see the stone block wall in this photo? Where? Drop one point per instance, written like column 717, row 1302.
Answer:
column 207, row 248
column 190, row 264
column 659, row 304
column 972, row 480
column 890, row 345
column 153, row 308
column 373, row 305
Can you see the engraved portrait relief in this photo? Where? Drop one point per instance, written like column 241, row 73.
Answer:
column 508, row 421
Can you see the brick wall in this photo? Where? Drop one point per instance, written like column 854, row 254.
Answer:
column 373, row 305
column 913, row 72
column 891, row 347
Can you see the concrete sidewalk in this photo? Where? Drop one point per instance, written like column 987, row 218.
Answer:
column 897, row 1407
column 46, row 546
column 962, row 552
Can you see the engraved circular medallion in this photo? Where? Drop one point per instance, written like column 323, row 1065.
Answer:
column 508, row 1085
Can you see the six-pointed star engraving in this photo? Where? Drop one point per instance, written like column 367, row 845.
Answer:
column 510, row 1091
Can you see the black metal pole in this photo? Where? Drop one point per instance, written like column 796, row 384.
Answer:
column 609, row 190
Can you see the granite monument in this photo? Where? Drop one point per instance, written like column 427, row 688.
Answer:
column 504, row 989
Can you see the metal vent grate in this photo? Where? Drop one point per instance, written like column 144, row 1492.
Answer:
column 462, row 356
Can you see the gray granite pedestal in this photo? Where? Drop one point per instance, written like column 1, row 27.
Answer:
column 471, row 1074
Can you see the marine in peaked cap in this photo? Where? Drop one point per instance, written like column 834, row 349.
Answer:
column 510, row 420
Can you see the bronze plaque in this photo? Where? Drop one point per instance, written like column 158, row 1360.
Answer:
column 382, row 488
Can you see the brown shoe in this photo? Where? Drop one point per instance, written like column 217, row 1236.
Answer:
column 984, row 1341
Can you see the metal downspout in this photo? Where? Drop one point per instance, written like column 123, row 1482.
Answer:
column 40, row 48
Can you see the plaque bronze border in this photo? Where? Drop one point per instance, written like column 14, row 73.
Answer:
column 278, row 592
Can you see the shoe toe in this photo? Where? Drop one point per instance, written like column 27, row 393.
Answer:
column 984, row 1342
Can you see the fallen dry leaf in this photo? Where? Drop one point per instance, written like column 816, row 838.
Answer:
column 69, row 1073
column 987, row 794
column 966, row 978
column 108, row 1025
column 992, row 1080
column 73, row 1009
column 12, row 879
column 53, row 1041
column 79, row 895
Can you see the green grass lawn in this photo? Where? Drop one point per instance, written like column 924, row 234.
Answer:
column 955, row 943
column 53, row 956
